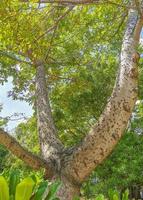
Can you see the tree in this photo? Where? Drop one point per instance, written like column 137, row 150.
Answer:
column 72, row 165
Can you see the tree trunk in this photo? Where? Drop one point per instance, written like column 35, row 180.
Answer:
column 103, row 137
column 75, row 164
column 49, row 143
column 68, row 190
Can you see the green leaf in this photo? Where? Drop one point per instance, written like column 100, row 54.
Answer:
column 75, row 198
column 40, row 191
column 100, row 197
column 115, row 197
column 113, row 194
column 4, row 190
column 12, row 197
column 24, row 189
column 125, row 195
column 34, row 178
column 13, row 181
column 52, row 191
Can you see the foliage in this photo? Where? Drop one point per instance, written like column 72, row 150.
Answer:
column 137, row 118
column 3, row 157
column 114, row 195
column 121, row 170
column 80, row 57
column 3, row 121
column 25, row 131
column 29, row 188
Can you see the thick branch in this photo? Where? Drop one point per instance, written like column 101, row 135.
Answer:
column 103, row 137
column 78, row 2
column 73, row 2
column 50, row 144
column 30, row 159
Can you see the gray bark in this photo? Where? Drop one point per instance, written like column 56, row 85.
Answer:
column 49, row 143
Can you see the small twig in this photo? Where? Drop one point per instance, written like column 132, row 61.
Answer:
column 56, row 23
column 120, row 25
column 14, row 57
column 14, row 117
column 61, row 77
column 138, row 6
column 51, row 41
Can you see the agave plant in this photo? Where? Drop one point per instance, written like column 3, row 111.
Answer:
column 27, row 189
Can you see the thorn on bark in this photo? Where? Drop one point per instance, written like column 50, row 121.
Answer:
column 133, row 73
column 126, row 107
column 115, row 136
column 136, row 57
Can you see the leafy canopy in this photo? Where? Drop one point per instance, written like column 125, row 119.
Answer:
column 79, row 47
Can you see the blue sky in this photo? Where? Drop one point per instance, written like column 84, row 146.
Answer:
column 12, row 106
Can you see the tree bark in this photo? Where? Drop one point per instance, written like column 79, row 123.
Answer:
column 30, row 159
column 49, row 143
column 73, row 2
column 103, row 137
column 68, row 190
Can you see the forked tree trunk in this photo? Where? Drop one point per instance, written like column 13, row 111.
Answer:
column 103, row 137
column 75, row 164
column 68, row 190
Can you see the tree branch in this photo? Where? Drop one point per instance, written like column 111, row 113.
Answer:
column 49, row 142
column 56, row 23
column 138, row 6
column 73, row 2
column 30, row 159
column 103, row 137
column 78, row 2
column 14, row 57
